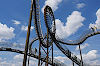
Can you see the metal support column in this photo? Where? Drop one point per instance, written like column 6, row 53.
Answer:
column 73, row 63
column 28, row 35
column 52, row 54
column 47, row 47
column 39, row 54
column 81, row 55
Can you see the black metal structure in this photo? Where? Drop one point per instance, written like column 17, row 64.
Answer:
column 56, row 62
column 47, row 41
column 50, row 21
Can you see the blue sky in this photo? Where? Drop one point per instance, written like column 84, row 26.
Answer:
column 73, row 17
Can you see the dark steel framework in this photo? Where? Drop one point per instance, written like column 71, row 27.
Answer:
column 43, row 42
column 28, row 35
column 46, row 42
column 50, row 24
column 50, row 36
column 34, row 56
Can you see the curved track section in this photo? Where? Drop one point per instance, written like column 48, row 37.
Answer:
column 38, row 26
column 50, row 24
column 56, row 62
column 69, row 54
column 49, row 20
column 81, row 39
column 12, row 45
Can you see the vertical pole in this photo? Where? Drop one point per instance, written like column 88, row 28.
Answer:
column 47, row 57
column 81, row 55
column 73, row 63
column 47, row 47
column 39, row 54
column 52, row 54
column 28, row 35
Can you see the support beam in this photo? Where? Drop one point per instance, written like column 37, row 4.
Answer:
column 81, row 55
column 28, row 35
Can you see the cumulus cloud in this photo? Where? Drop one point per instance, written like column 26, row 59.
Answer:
column 82, row 46
column 74, row 22
column 97, row 22
column 91, row 57
column 25, row 28
column 16, row 22
column 6, row 32
column 17, row 60
column 80, row 5
column 52, row 3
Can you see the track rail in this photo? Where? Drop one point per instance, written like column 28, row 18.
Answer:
column 38, row 28
column 56, row 63
column 81, row 39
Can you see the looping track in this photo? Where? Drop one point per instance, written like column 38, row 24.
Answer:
column 51, row 32
column 38, row 26
column 60, row 43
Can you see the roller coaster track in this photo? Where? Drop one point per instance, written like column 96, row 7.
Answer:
column 49, row 20
column 11, row 47
column 69, row 54
column 56, row 62
column 51, row 28
column 81, row 39
column 38, row 25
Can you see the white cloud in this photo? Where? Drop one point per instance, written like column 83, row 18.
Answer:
column 20, row 56
column 80, row 5
column 91, row 57
column 16, row 22
column 74, row 22
column 32, row 63
column 6, row 32
column 82, row 46
column 19, row 59
column 62, row 59
column 17, row 63
column 25, row 28
column 52, row 3
column 97, row 22
column 4, row 63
